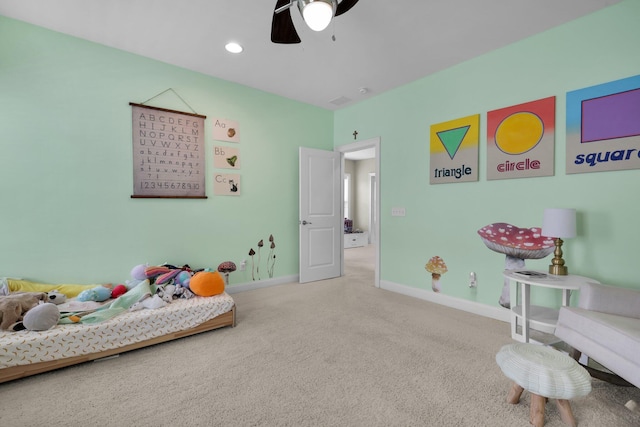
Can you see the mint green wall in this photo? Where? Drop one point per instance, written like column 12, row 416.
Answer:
column 443, row 219
column 66, row 174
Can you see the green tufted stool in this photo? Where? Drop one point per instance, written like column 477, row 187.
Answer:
column 546, row 373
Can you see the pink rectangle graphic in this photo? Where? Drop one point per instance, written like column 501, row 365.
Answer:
column 612, row 116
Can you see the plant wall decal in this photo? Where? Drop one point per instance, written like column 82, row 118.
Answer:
column 260, row 245
column 272, row 256
column 270, row 262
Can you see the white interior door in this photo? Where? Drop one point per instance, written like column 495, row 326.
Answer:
column 373, row 212
column 320, row 214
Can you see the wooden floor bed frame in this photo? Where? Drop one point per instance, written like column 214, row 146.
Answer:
column 22, row 371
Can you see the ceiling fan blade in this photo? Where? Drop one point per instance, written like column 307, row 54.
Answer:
column 282, row 28
column 344, row 6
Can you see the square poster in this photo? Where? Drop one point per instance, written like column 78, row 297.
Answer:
column 603, row 127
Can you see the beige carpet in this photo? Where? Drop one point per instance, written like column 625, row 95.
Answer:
column 333, row 353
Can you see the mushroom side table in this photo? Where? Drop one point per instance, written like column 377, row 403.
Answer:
column 546, row 373
column 540, row 318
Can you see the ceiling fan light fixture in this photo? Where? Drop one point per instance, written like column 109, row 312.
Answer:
column 317, row 13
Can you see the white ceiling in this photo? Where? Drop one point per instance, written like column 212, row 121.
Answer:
column 379, row 44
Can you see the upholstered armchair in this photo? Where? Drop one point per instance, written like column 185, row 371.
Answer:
column 606, row 327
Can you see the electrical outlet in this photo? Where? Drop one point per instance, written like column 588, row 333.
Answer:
column 398, row 212
column 473, row 281
column 243, row 265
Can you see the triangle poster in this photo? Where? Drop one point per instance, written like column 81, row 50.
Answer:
column 454, row 150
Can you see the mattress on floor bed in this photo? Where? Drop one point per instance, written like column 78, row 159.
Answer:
column 26, row 347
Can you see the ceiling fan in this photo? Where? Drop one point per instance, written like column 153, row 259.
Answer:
column 282, row 29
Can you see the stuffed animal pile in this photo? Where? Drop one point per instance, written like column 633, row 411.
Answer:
column 14, row 306
column 38, row 311
column 176, row 282
column 28, row 310
column 172, row 282
column 42, row 317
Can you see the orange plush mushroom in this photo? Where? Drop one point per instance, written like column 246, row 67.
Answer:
column 437, row 268
column 207, row 283
column 517, row 244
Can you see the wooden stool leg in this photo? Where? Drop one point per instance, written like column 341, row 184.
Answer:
column 514, row 394
column 536, row 414
column 566, row 414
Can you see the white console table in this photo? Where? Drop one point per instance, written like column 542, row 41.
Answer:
column 529, row 316
column 356, row 240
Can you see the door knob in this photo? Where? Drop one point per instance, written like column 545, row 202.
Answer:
column 304, row 222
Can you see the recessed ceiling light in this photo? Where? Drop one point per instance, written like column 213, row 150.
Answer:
column 233, row 47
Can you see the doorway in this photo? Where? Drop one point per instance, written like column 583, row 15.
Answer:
column 364, row 257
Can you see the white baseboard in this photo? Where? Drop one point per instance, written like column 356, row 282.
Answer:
column 257, row 284
column 498, row 313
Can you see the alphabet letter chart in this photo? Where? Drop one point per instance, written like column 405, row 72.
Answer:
column 168, row 153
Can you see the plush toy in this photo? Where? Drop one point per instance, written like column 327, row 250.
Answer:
column 166, row 277
column 118, row 290
column 99, row 294
column 42, row 317
column 166, row 292
column 56, row 297
column 137, row 276
column 207, row 283
column 155, row 271
column 138, row 272
column 184, row 293
column 18, row 285
column 183, row 278
column 13, row 306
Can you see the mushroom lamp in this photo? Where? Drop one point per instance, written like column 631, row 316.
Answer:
column 225, row 268
column 517, row 244
column 437, row 268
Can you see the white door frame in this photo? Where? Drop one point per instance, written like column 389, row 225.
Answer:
column 357, row 146
column 373, row 214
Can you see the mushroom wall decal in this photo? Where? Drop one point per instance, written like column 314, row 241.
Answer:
column 260, row 245
column 251, row 254
column 272, row 256
column 517, row 244
column 437, row 268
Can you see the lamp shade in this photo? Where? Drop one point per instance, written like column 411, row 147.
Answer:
column 559, row 223
column 317, row 13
